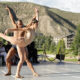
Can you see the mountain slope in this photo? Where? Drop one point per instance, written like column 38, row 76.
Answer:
column 52, row 22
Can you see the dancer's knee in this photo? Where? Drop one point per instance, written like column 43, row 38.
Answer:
column 27, row 60
column 8, row 60
column 21, row 61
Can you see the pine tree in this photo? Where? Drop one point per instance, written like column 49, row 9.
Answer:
column 76, row 42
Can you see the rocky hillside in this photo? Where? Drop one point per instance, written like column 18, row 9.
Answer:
column 52, row 22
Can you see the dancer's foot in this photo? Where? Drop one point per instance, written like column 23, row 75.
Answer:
column 35, row 74
column 8, row 74
column 78, row 62
column 18, row 76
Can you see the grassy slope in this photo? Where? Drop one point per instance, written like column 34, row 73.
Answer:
column 52, row 21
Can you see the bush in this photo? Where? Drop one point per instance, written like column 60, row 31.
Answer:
column 60, row 49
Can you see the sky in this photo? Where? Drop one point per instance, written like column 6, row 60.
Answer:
column 66, row 5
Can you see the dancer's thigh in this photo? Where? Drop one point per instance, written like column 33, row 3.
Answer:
column 11, row 53
column 26, row 53
column 20, row 51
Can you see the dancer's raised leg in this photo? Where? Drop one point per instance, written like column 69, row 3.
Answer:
column 8, row 38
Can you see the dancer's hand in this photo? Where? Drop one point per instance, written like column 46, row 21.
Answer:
column 7, row 8
column 6, row 31
column 36, row 10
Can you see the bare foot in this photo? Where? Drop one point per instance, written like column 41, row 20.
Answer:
column 18, row 76
column 8, row 74
column 35, row 74
column 78, row 62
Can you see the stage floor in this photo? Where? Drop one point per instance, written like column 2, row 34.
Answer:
column 47, row 71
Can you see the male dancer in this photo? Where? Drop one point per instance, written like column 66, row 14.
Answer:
column 12, row 51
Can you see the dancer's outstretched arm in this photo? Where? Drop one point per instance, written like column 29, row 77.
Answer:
column 11, row 17
column 35, row 17
column 15, row 29
column 36, row 14
column 12, row 30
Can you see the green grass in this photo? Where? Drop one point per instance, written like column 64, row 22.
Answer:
column 48, row 52
column 71, row 60
column 40, row 52
column 68, row 60
column 67, row 55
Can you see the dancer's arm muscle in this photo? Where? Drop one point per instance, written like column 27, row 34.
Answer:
column 11, row 17
column 15, row 29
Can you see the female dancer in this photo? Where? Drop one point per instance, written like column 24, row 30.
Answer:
column 24, row 38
